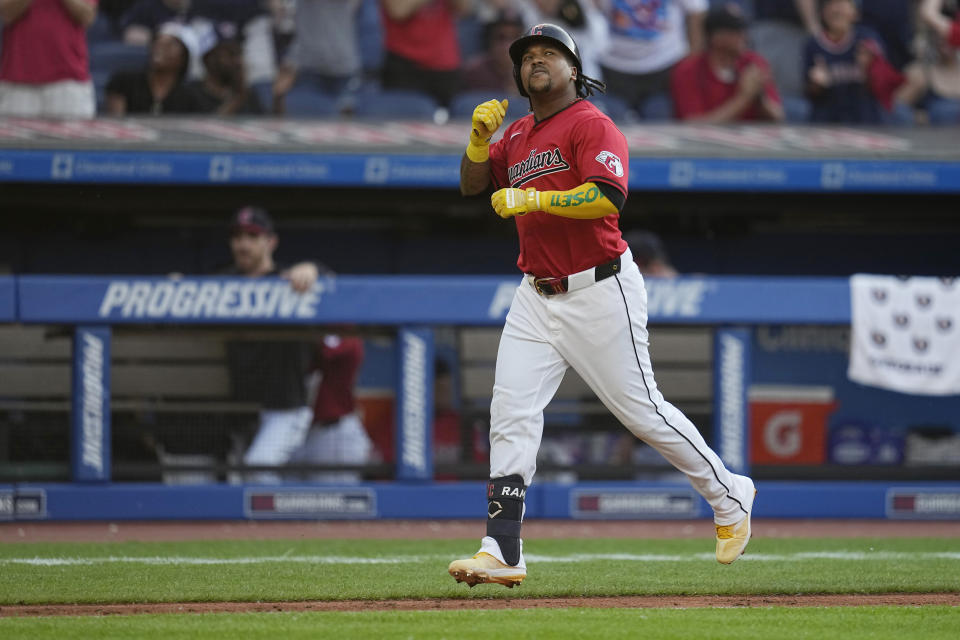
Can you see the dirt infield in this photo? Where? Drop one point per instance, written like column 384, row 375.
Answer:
column 424, row 529
column 435, row 604
column 167, row 531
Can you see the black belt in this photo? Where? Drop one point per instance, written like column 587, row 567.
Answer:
column 553, row 286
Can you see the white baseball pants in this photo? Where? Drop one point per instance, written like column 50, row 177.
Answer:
column 281, row 433
column 600, row 331
column 66, row 99
column 344, row 442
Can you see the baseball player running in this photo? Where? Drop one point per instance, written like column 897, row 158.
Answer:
column 561, row 174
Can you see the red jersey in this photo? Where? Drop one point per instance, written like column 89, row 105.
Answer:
column 428, row 37
column 696, row 89
column 576, row 145
column 340, row 359
column 44, row 45
column 954, row 37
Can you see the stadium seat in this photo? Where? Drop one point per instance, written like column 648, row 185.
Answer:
column 394, row 104
column 745, row 6
column 118, row 56
column 943, row 112
column 900, row 115
column 470, row 36
column 264, row 91
column 100, row 79
column 796, row 109
column 616, row 108
column 101, row 31
column 657, row 108
column 463, row 104
column 370, row 36
column 306, row 101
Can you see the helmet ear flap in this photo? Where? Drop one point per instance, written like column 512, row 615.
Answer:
column 519, row 81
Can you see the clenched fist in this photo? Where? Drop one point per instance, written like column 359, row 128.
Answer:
column 515, row 202
column 487, row 118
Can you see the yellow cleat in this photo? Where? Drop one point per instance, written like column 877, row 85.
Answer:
column 732, row 539
column 483, row 568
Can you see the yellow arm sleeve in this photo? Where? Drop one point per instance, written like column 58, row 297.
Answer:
column 585, row 202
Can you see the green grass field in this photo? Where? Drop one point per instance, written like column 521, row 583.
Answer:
column 297, row 570
column 860, row 623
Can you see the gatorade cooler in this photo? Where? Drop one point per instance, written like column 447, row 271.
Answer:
column 788, row 424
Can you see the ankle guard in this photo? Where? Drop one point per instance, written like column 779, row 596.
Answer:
column 505, row 513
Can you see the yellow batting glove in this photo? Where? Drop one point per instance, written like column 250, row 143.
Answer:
column 487, row 118
column 515, row 202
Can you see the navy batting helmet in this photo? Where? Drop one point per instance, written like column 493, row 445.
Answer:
column 557, row 37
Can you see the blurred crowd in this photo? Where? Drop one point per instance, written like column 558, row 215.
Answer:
column 833, row 61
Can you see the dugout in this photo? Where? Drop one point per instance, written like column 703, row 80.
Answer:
column 760, row 201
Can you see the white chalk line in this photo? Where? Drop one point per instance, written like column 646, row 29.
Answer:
column 853, row 556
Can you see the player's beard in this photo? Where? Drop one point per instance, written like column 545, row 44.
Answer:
column 543, row 80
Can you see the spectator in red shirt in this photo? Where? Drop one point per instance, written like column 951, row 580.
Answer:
column 44, row 63
column 422, row 49
column 931, row 12
column 726, row 82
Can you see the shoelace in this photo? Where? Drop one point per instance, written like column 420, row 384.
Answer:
column 725, row 532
